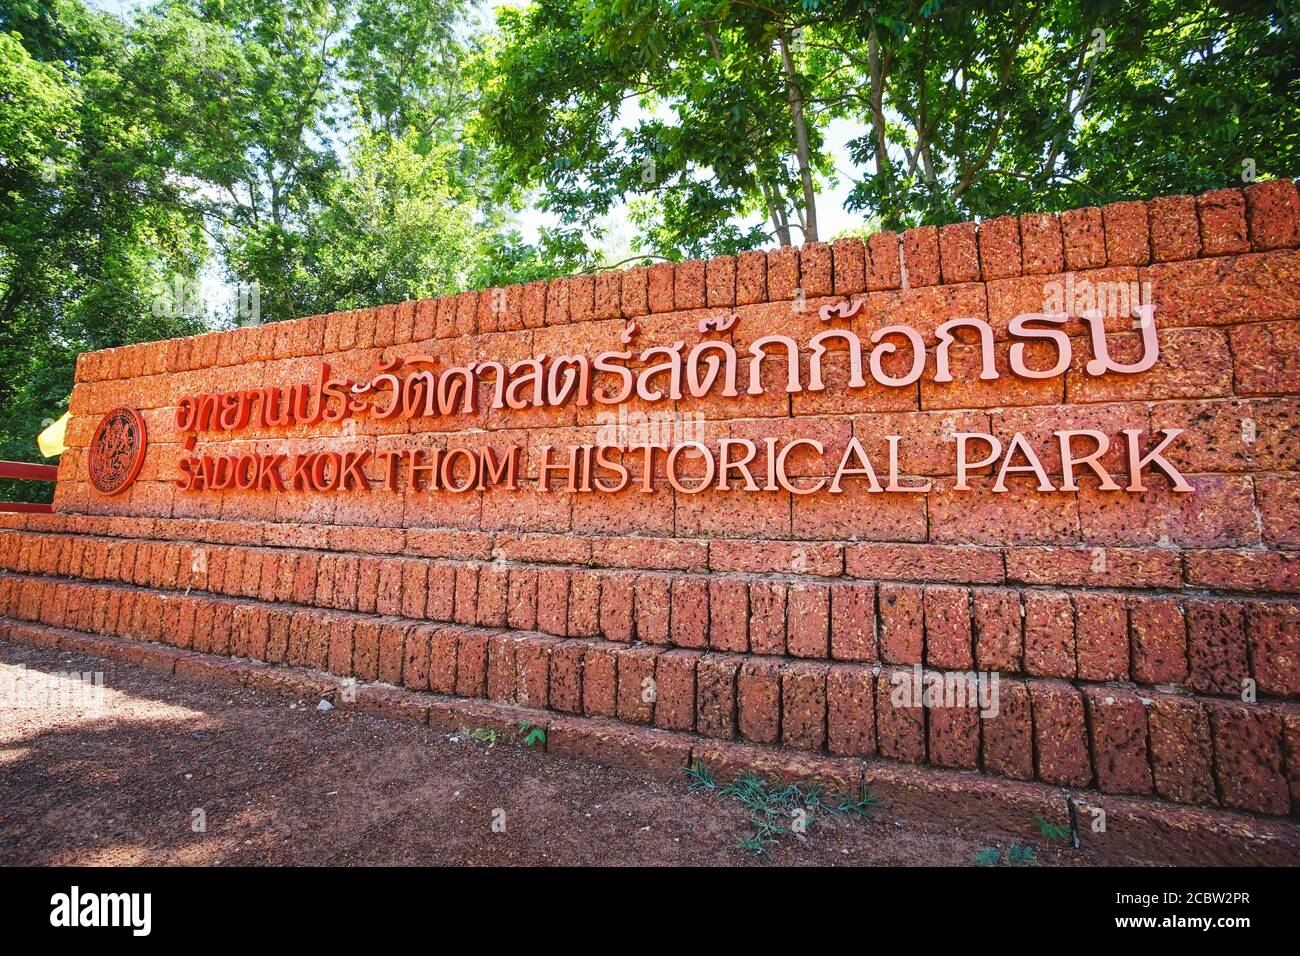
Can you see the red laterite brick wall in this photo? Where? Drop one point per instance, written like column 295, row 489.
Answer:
column 1124, row 626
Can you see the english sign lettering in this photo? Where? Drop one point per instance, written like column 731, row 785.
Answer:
column 414, row 387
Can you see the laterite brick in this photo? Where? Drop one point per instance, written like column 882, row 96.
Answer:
column 502, row 667
column 808, row 620
column 553, row 601
column 900, row 715
column 1060, row 734
column 600, row 681
column 1101, row 637
column 998, row 628
column 728, row 603
column 521, row 602
column 471, row 663
column 715, row 695
column 1216, row 646
column 803, row 706
column 954, row 730
column 1273, row 214
column 1273, row 631
column 759, row 695
column 675, row 690
column 566, row 676
column 617, row 619
column 901, row 633
column 1158, row 633
column 652, row 602
column 533, row 671
column 1248, row 757
column 1049, row 634
column 853, row 622
column 1117, row 722
column 1181, row 751
column 850, row 710
column 948, row 638
column 584, row 603
column 1007, row 737
column 767, row 602
column 690, row 612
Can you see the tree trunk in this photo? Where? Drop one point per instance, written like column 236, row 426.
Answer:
column 801, row 141
column 777, row 213
column 877, row 103
column 782, row 226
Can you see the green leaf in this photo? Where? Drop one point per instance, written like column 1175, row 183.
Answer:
column 987, row 856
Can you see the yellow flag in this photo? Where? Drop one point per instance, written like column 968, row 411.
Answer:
column 50, row 441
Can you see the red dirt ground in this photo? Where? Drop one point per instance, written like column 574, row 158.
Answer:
column 279, row 782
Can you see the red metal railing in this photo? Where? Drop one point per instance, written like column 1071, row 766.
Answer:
column 25, row 471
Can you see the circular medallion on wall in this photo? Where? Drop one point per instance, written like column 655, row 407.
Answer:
column 117, row 451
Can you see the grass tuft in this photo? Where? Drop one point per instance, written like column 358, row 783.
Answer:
column 775, row 810
column 532, row 734
column 1053, row 831
column 1018, row 854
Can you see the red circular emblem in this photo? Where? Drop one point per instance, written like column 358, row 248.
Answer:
column 117, row 451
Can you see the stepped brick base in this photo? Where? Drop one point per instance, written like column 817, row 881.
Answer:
column 1137, row 831
column 1177, row 740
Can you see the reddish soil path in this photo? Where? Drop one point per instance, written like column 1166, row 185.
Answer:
column 116, row 779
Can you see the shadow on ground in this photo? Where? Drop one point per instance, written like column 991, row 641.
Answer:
column 123, row 776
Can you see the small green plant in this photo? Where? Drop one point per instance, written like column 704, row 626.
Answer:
column 532, row 734
column 1021, row 855
column 988, row 856
column 1018, row 854
column 484, row 735
column 699, row 777
column 775, row 810
column 1053, row 831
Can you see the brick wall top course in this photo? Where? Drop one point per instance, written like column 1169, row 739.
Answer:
column 1146, row 235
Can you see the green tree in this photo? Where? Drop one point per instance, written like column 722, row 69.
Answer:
column 395, row 226
column 969, row 108
column 696, row 111
column 329, row 136
column 91, row 219
column 247, row 92
column 975, row 109
column 315, row 148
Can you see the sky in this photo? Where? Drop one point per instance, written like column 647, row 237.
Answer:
column 832, row 217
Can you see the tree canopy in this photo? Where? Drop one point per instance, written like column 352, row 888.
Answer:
column 710, row 113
